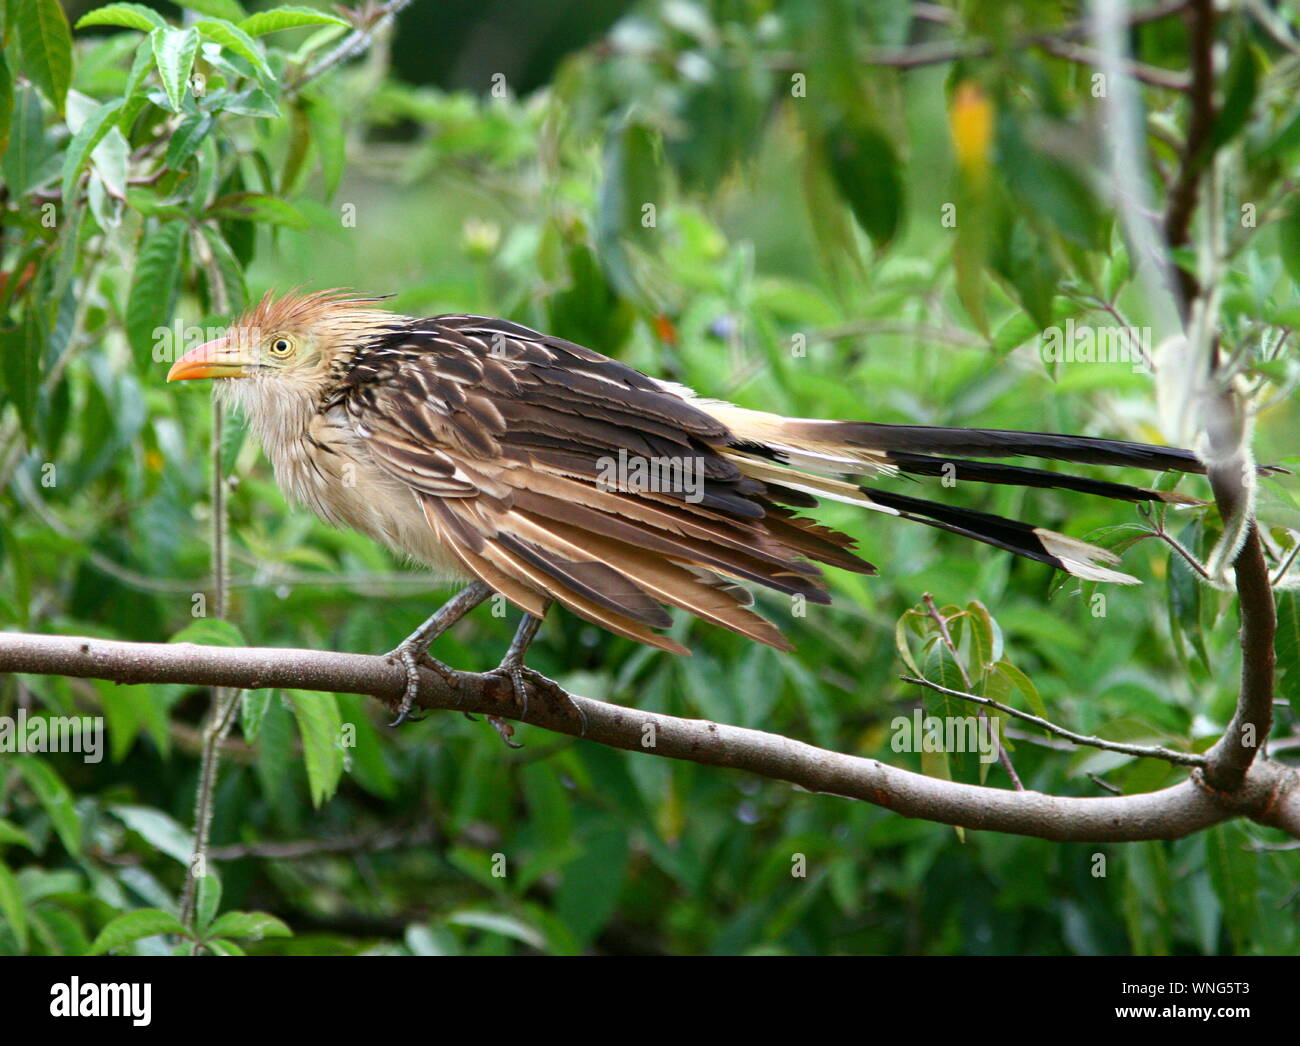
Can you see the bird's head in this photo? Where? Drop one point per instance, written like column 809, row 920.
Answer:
column 291, row 341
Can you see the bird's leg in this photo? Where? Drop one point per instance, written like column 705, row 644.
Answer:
column 410, row 649
column 512, row 666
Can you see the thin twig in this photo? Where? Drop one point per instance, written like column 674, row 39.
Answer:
column 1169, row 755
column 354, row 44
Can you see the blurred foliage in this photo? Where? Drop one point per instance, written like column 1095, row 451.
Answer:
column 729, row 194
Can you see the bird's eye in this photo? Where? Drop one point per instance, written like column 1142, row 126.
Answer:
column 281, row 347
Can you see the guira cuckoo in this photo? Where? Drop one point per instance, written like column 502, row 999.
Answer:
column 482, row 449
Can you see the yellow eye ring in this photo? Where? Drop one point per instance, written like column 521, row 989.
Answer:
column 280, row 346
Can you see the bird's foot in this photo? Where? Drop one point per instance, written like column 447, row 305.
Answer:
column 520, row 675
column 410, row 654
column 505, row 729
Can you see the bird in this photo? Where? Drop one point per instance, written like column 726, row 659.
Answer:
column 532, row 467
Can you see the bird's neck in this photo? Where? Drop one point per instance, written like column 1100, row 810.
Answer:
column 278, row 413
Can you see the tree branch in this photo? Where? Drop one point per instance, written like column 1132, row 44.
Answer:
column 1267, row 793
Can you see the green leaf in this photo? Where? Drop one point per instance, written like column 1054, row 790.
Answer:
column 252, row 710
column 174, row 51
column 326, row 124
column 506, row 925
column 231, row 10
column 257, row 207
column 1234, row 873
column 128, row 16
column 27, row 162
column 134, row 926
column 235, row 40
column 20, row 370
column 226, row 268
column 250, row 926
column 207, row 902
column 128, row 708
column 46, row 43
column 590, row 889
column 6, row 103
column 631, row 186
column 210, row 631
column 11, row 834
column 95, row 127
column 154, row 285
column 320, row 726
column 1288, row 232
column 287, row 17
column 187, row 138
column 12, row 907
column 1240, row 83
column 1005, row 679
column 159, row 830
column 865, row 169
column 55, row 799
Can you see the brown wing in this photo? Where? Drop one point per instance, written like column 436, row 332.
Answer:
column 512, row 442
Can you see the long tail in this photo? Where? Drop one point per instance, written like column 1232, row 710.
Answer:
column 803, row 458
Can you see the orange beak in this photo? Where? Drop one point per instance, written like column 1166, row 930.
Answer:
column 213, row 359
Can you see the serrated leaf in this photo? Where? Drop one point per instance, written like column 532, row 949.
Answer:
column 174, row 51
column 235, row 40
column 127, row 16
column 231, row 10
column 287, row 17
column 249, row 926
column 154, row 284
column 46, row 42
column 320, row 726
column 134, row 926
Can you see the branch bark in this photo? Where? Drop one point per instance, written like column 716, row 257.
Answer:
column 1268, row 791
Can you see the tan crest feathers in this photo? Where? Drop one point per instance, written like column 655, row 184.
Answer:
column 295, row 309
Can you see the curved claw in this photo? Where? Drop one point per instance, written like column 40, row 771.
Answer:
column 504, row 729
column 404, row 716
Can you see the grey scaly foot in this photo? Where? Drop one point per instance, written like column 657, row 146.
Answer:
column 413, row 647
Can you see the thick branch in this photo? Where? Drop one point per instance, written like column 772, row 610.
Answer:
column 1268, row 791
